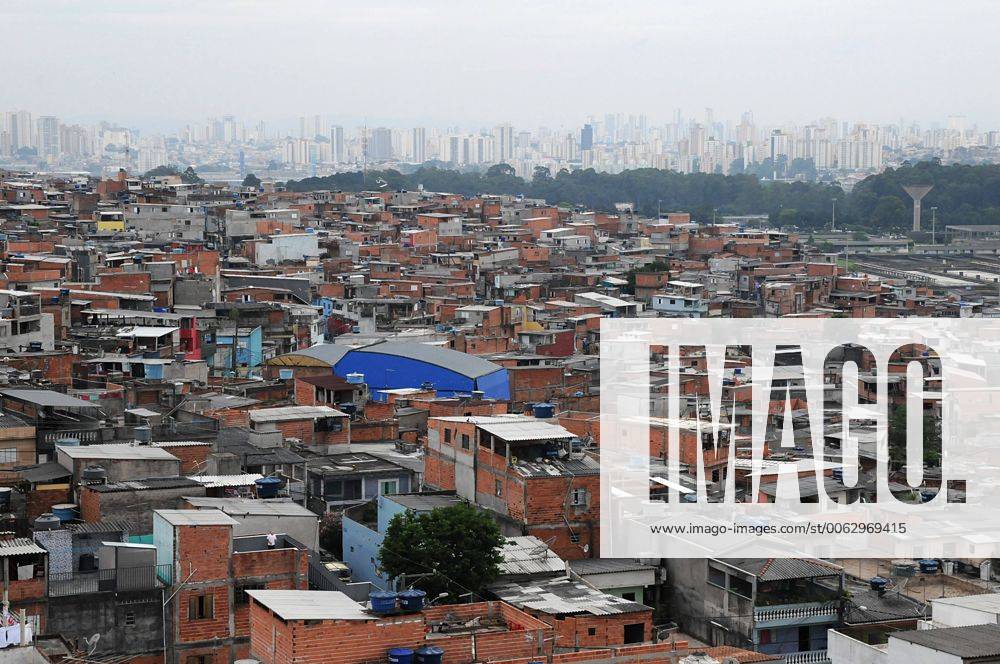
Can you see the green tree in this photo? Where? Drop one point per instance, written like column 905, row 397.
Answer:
column 331, row 533
column 897, row 439
column 189, row 176
column 160, row 171
column 251, row 180
column 457, row 549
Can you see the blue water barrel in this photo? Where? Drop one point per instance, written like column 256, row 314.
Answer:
column 64, row 512
column 412, row 600
column 429, row 655
column 68, row 442
column 928, row 566
column 382, row 601
column 878, row 583
column 400, row 656
column 544, row 410
column 267, row 487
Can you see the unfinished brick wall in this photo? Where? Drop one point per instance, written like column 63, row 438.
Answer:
column 41, row 499
column 192, row 455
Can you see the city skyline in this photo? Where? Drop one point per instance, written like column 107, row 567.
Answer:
column 184, row 60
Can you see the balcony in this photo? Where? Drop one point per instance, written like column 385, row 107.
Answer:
column 788, row 615
column 117, row 579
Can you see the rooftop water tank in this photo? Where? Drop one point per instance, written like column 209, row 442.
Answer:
column 903, row 568
column 412, row 600
column 544, row 410
column 429, row 655
column 400, row 656
column 64, row 512
column 355, row 378
column 382, row 601
column 47, row 521
column 878, row 584
column 928, row 566
column 94, row 473
column 268, row 487
column 143, row 434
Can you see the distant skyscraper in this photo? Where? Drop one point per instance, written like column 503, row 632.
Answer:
column 380, row 146
column 20, row 130
column 48, row 136
column 587, row 137
column 503, row 137
column 419, row 147
column 337, row 151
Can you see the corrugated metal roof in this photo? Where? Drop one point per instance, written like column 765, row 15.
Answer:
column 117, row 451
column 221, row 481
column 310, row 604
column 102, row 526
column 526, row 554
column 964, row 642
column 47, row 398
column 20, row 546
column 196, row 517
column 45, row 472
column 293, row 413
column 526, row 428
column 148, row 484
column 248, row 507
column 564, row 596
column 608, row 566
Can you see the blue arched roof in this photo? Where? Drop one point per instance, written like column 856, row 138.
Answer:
column 395, row 364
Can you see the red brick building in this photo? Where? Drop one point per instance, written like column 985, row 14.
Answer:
column 208, row 615
column 523, row 469
column 327, row 627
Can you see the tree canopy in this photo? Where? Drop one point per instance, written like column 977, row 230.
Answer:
column 251, row 180
column 962, row 194
column 454, row 550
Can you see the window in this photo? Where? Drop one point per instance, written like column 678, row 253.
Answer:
column 578, row 498
column 388, row 487
column 447, row 435
column 629, row 596
column 129, row 619
column 201, row 607
column 634, row 633
column 8, row 455
column 591, row 631
column 740, row 587
column 499, row 488
column 241, row 598
column 465, row 441
column 716, row 577
column 574, row 538
column 198, row 659
column 343, row 490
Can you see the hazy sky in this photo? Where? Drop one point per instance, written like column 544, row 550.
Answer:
column 474, row 64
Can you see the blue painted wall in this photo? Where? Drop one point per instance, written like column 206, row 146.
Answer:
column 249, row 350
column 361, row 545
